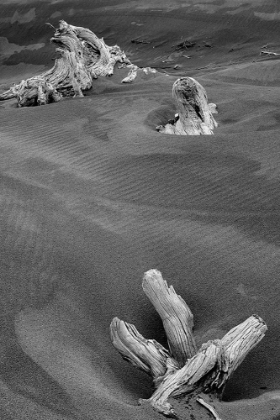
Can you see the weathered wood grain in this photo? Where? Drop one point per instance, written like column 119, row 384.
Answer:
column 194, row 114
column 83, row 57
column 183, row 369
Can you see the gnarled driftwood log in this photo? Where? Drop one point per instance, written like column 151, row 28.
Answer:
column 182, row 369
column 83, row 57
column 194, row 114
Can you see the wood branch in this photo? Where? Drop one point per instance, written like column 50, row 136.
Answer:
column 147, row 355
column 208, row 407
column 83, row 57
column 210, row 369
column 183, row 370
column 176, row 316
column 195, row 114
column 239, row 341
column 268, row 52
column 186, row 379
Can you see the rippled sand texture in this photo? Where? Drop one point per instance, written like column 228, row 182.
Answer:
column 92, row 196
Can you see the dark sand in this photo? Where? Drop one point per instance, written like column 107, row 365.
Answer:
column 92, row 196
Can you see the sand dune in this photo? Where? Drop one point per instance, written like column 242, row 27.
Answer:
column 92, row 196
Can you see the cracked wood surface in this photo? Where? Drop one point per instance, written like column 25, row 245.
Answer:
column 183, row 369
column 175, row 314
column 194, row 113
column 83, row 57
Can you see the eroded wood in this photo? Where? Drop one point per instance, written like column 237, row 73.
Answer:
column 147, row 355
column 212, row 366
column 82, row 58
column 182, row 369
column 240, row 340
column 194, row 113
column 175, row 314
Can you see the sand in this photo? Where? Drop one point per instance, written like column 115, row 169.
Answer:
column 92, row 196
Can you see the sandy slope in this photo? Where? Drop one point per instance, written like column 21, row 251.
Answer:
column 92, row 196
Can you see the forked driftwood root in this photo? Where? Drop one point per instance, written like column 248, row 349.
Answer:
column 182, row 369
column 83, row 57
column 194, row 113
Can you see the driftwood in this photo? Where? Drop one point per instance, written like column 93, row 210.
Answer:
column 208, row 407
column 194, row 114
column 268, row 52
column 182, row 369
column 132, row 74
column 83, row 57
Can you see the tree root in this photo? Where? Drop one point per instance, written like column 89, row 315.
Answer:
column 83, row 57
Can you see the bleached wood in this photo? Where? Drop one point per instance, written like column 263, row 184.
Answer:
column 209, row 408
column 240, row 340
column 185, row 380
column 195, row 114
column 83, row 57
column 210, row 369
column 147, row 355
column 213, row 108
column 176, row 316
column 183, row 370
column 131, row 74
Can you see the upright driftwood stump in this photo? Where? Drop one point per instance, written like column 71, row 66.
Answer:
column 194, row 114
column 182, row 369
column 83, row 57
